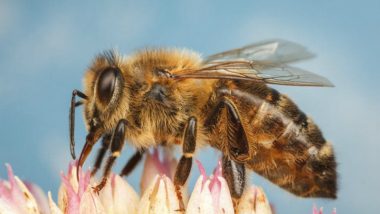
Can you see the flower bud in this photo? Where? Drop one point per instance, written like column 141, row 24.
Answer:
column 15, row 197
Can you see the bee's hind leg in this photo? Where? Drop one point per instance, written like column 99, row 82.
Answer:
column 184, row 166
column 117, row 143
column 234, row 173
column 237, row 149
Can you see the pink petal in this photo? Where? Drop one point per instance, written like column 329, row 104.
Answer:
column 73, row 190
column 15, row 192
column 4, row 190
column 201, row 168
column 154, row 166
column 218, row 169
column 84, row 181
column 164, row 164
column 215, row 198
column 215, row 187
column 73, row 200
column 202, row 171
column 11, row 179
column 315, row 209
column 158, row 163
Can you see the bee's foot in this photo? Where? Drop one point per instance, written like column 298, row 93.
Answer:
column 100, row 186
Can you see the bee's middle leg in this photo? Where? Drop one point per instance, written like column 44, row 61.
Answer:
column 117, row 143
column 188, row 148
column 132, row 163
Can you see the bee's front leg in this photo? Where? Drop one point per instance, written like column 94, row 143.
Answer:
column 106, row 140
column 117, row 143
column 73, row 105
column 184, row 165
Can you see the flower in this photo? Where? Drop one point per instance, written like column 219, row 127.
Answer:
column 160, row 197
column 76, row 196
column 320, row 210
column 118, row 196
column 159, row 194
column 154, row 165
column 15, row 197
column 254, row 201
column 210, row 195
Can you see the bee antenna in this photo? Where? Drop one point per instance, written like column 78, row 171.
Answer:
column 72, row 118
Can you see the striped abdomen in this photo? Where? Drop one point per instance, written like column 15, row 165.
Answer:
column 285, row 145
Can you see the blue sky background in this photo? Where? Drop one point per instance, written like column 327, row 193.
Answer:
column 46, row 46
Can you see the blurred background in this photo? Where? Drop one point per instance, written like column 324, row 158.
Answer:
column 45, row 48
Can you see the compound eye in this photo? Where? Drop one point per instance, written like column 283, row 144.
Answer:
column 106, row 85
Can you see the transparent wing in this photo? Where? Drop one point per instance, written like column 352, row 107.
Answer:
column 274, row 51
column 258, row 71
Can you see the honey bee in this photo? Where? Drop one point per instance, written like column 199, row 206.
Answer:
column 174, row 97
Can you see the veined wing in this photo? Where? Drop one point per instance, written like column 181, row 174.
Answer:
column 273, row 51
column 258, row 71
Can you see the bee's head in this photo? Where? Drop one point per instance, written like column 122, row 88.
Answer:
column 105, row 100
column 104, row 85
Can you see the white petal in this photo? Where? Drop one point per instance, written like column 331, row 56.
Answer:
column 254, row 201
column 225, row 200
column 124, row 196
column 118, row 196
column 30, row 202
column 262, row 204
column 7, row 208
column 73, row 178
column 200, row 200
column 159, row 197
column 53, row 207
column 106, row 197
column 90, row 203
column 63, row 201
column 39, row 195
